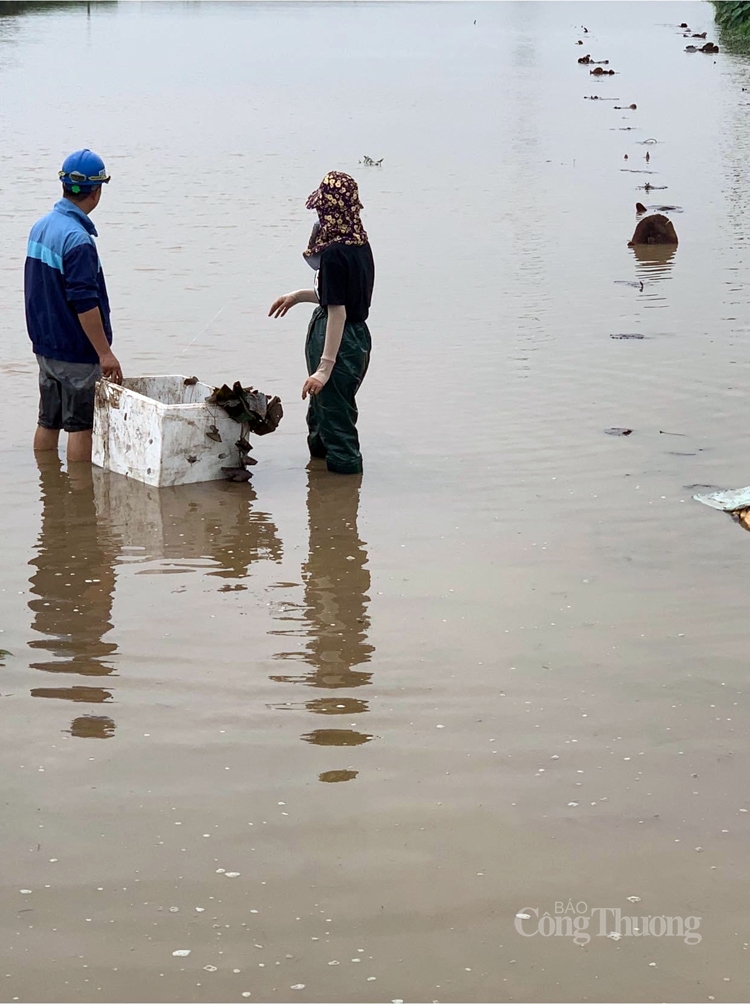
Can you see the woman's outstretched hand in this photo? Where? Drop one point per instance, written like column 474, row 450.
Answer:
column 282, row 305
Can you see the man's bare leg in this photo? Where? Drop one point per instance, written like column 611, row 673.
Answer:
column 79, row 447
column 45, row 439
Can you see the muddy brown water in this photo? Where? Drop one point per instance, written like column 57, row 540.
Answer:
column 506, row 671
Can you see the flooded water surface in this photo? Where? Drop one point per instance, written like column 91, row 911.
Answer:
column 325, row 739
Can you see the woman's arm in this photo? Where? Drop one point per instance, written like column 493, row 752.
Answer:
column 334, row 333
column 286, row 302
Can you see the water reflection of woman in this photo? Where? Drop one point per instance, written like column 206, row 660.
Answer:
column 337, row 583
column 335, row 620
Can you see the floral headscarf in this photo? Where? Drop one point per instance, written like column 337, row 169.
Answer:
column 337, row 203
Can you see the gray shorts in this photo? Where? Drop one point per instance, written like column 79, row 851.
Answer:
column 66, row 394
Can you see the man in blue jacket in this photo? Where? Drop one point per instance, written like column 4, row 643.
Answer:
column 67, row 309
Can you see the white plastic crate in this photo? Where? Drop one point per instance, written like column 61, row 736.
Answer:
column 159, row 430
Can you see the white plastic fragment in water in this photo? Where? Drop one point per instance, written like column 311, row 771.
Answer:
column 297, row 986
column 231, row 874
column 181, row 953
column 210, row 969
column 729, row 501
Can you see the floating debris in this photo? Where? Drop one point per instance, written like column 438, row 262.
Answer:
column 369, row 162
column 182, row 953
column 333, row 776
column 734, row 500
column 587, row 60
column 629, row 334
column 618, row 432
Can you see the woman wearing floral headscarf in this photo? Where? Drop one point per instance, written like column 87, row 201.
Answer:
column 338, row 343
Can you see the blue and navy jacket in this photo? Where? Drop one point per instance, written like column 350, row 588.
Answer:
column 63, row 278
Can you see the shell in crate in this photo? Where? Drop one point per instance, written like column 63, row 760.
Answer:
column 160, row 430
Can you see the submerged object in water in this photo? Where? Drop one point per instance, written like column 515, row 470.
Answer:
column 656, row 229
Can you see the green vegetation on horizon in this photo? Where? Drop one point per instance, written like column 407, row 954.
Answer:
column 733, row 16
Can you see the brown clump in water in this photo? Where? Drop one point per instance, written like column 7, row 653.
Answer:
column 336, row 737
column 655, row 229
column 92, row 727
column 331, row 776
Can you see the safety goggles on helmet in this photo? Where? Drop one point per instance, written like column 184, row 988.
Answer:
column 102, row 178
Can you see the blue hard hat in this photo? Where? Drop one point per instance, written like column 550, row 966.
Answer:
column 82, row 171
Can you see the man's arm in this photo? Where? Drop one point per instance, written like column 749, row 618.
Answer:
column 91, row 322
column 82, row 293
column 334, row 333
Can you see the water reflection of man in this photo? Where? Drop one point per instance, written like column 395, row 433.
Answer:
column 336, row 621
column 73, row 584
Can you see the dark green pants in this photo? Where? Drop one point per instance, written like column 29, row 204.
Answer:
column 332, row 414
